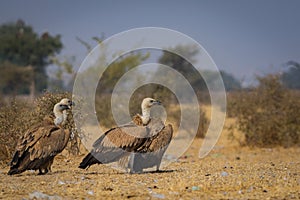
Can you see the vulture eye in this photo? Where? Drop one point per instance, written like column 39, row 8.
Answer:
column 151, row 101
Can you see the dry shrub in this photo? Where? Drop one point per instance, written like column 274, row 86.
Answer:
column 14, row 119
column 103, row 110
column 268, row 115
column 203, row 124
column 18, row 116
column 175, row 115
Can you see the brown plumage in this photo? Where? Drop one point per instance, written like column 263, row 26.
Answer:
column 114, row 144
column 39, row 145
column 143, row 135
column 152, row 153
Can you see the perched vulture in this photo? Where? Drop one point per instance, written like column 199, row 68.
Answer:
column 39, row 145
column 143, row 135
column 153, row 151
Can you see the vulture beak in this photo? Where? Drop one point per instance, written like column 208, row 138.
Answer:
column 71, row 104
column 64, row 107
column 157, row 102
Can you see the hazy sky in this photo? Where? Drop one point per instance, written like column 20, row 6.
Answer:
column 243, row 37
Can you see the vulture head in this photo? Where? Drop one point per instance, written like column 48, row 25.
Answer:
column 146, row 107
column 66, row 101
column 149, row 102
column 59, row 111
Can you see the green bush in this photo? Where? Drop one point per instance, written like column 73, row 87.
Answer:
column 268, row 115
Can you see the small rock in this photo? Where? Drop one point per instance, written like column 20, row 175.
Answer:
column 159, row 196
column 224, row 174
column 90, row 192
column 40, row 195
column 250, row 189
column 61, row 182
column 194, row 188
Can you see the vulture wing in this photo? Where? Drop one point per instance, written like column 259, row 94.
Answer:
column 31, row 137
column 116, row 143
column 38, row 146
column 152, row 152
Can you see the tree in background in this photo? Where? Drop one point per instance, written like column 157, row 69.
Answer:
column 182, row 66
column 291, row 78
column 192, row 75
column 108, row 79
column 15, row 78
column 62, row 74
column 230, row 82
column 23, row 47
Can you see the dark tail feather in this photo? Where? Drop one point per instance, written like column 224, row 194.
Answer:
column 15, row 159
column 13, row 171
column 88, row 161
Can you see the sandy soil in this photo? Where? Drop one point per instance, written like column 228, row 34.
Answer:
column 228, row 172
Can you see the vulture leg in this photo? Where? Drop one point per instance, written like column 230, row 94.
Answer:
column 136, row 163
column 157, row 167
column 159, row 161
column 131, row 163
column 40, row 172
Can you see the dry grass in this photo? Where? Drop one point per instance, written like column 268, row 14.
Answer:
column 228, row 172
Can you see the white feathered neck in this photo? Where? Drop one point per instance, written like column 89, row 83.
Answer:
column 60, row 116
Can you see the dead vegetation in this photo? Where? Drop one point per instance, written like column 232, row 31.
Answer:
column 268, row 114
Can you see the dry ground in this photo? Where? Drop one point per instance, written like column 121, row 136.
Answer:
column 228, row 172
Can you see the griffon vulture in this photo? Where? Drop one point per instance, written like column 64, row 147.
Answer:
column 39, row 145
column 152, row 152
column 143, row 135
